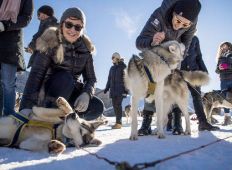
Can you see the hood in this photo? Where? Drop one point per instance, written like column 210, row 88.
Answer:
column 51, row 40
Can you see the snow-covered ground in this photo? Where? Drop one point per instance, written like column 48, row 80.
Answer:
column 117, row 147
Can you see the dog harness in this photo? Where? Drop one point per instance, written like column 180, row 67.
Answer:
column 25, row 122
column 151, row 82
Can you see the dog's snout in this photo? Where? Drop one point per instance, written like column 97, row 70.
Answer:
column 72, row 116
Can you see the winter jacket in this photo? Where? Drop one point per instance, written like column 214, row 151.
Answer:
column 227, row 73
column 115, row 80
column 11, row 44
column 193, row 61
column 49, row 22
column 161, row 20
column 77, row 60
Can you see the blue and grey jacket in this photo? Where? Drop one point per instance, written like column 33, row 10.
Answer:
column 161, row 20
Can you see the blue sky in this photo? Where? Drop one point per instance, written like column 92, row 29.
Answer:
column 114, row 26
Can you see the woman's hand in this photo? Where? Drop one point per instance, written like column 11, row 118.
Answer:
column 158, row 38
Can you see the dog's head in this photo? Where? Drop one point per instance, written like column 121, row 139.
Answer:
column 171, row 52
column 80, row 130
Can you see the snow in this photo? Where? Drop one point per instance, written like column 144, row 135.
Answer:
column 117, row 147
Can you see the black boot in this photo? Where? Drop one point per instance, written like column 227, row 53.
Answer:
column 204, row 125
column 146, row 125
column 169, row 124
column 177, row 122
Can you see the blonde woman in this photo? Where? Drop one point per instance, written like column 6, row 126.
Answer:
column 65, row 55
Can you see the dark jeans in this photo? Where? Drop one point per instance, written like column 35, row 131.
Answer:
column 226, row 84
column 197, row 103
column 61, row 84
column 117, row 105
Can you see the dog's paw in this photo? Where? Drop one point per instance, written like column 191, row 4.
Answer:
column 187, row 133
column 63, row 105
column 95, row 142
column 134, row 137
column 56, row 147
column 160, row 135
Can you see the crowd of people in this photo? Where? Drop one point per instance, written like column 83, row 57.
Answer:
column 62, row 52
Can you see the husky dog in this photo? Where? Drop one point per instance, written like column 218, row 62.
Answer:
column 215, row 99
column 128, row 113
column 160, row 60
column 37, row 137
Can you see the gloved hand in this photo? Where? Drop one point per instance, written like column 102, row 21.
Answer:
column 105, row 91
column 2, row 28
column 82, row 102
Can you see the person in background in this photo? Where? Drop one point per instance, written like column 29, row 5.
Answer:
column 173, row 20
column 1, row 99
column 193, row 62
column 224, row 69
column 60, row 67
column 116, row 86
column 14, row 16
column 46, row 17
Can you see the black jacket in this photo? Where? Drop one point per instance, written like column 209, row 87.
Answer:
column 115, row 81
column 160, row 21
column 193, row 61
column 77, row 60
column 11, row 44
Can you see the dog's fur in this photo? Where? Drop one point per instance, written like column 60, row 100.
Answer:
column 137, row 83
column 171, row 88
column 212, row 100
column 35, row 138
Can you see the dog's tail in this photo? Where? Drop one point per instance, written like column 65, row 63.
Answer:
column 196, row 78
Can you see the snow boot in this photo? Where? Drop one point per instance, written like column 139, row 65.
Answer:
column 146, row 124
column 169, row 124
column 204, row 125
column 177, row 122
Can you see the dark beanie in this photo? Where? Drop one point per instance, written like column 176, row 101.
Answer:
column 73, row 12
column 188, row 9
column 45, row 9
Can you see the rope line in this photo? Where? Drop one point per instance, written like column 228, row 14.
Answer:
column 139, row 166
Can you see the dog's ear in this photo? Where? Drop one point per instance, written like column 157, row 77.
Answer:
column 96, row 124
column 172, row 48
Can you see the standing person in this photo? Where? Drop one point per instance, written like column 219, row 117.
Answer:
column 173, row 20
column 47, row 19
column 224, row 69
column 116, row 86
column 14, row 15
column 193, row 62
column 64, row 55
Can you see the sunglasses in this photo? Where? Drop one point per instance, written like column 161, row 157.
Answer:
column 69, row 25
column 178, row 21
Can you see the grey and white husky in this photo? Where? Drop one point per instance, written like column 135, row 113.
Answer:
column 37, row 134
column 170, row 88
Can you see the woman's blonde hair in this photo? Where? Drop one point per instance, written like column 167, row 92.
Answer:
column 219, row 52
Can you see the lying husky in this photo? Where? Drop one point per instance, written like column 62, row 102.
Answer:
column 47, row 131
column 215, row 99
column 142, row 76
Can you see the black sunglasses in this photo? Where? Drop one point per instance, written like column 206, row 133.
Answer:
column 69, row 25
